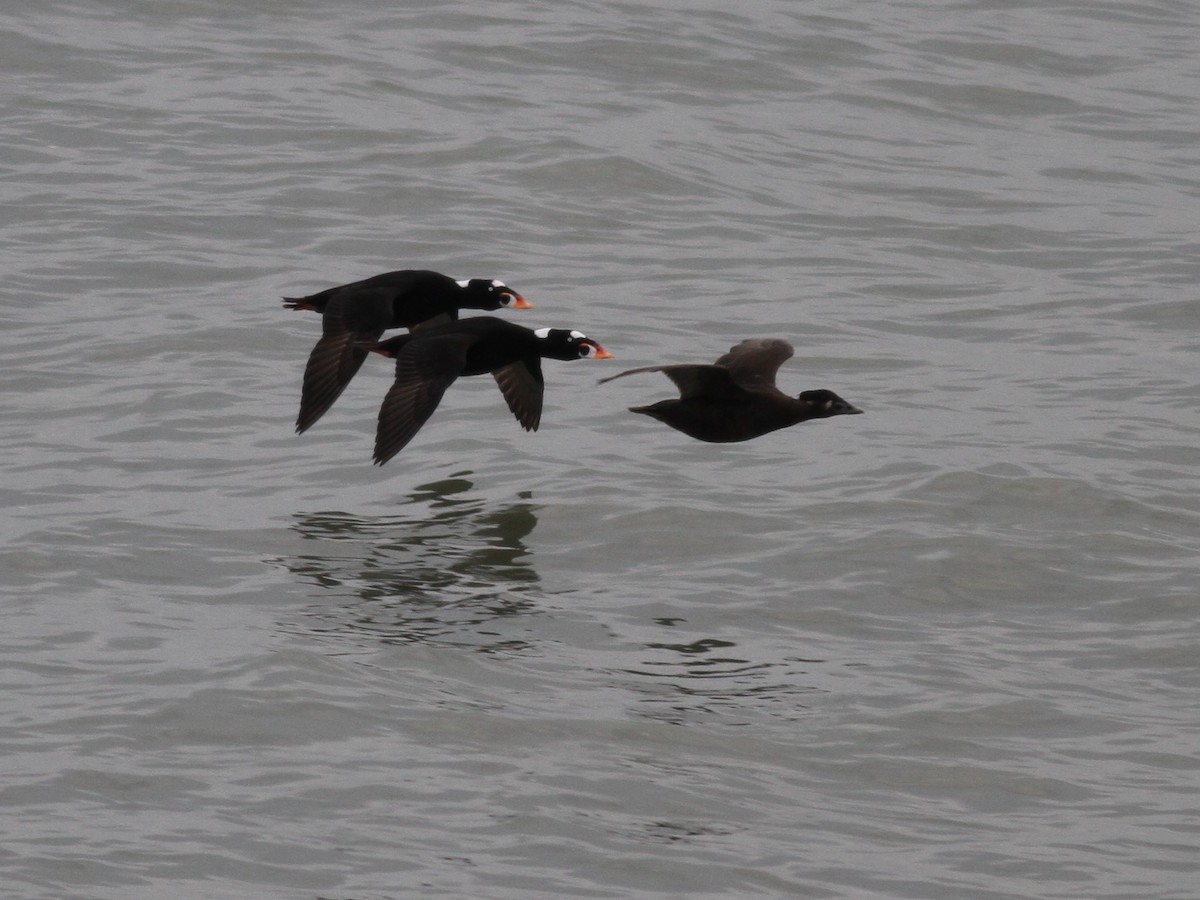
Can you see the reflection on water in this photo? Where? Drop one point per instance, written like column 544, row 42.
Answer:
column 679, row 832
column 685, row 681
column 447, row 569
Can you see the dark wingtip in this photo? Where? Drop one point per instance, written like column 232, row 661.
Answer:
column 608, row 378
column 308, row 418
column 383, row 348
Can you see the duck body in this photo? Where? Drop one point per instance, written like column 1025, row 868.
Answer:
column 735, row 398
column 357, row 313
column 484, row 344
column 721, row 421
column 429, row 361
column 405, row 298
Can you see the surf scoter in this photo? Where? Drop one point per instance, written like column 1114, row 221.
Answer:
column 735, row 398
column 352, row 314
column 428, row 362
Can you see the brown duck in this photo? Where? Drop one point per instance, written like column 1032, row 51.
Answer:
column 735, row 398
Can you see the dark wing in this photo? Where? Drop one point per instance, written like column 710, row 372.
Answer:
column 440, row 319
column 424, row 369
column 693, row 381
column 753, row 363
column 350, row 317
column 331, row 365
column 522, row 387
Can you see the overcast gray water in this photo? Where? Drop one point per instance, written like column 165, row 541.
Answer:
column 945, row 649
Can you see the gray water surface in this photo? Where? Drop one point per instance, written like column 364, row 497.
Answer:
column 946, row 649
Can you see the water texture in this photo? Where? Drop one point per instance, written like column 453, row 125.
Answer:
column 945, row 649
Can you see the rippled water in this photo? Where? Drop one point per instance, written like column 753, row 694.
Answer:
column 943, row 649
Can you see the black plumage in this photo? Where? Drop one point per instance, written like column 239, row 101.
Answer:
column 428, row 362
column 353, row 314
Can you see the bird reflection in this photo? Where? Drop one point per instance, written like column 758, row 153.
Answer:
column 448, row 569
column 709, row 679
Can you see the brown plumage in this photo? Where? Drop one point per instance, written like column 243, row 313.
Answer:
column 735, row 398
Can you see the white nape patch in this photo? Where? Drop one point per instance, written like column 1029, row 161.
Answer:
column 462, row 282
column 497, row 283
column 543, row 333
column 578, row 335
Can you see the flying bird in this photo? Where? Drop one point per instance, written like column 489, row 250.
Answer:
column 358, row 313
column 735, row 398
column 428, row 362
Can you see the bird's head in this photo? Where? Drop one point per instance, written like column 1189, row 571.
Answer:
column 561, row 343
column 826, row 403
column 488, row 293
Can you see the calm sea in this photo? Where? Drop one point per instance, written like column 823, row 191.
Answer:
column 945, row 649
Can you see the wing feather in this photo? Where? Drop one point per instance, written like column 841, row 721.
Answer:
column 753, row 363
column 693, row 381
column 424, row 370
column 333, row 362
column 523, row 389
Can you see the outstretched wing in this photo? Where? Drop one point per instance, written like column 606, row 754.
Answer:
column 333, row 362
column 350, row 317
column 753, row 363
column 424, row 369
column 522, row 385
column 713, row 382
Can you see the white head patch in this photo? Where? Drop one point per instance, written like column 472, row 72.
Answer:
column 463, row 282
column 543, row 333
column 578, row 335
column 497, row 283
